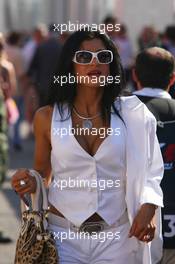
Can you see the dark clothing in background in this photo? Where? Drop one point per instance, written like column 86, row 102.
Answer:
column 172, row 91
column 43, row 67
column 164, row 111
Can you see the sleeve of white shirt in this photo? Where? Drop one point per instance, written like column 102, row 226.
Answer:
column 152, row 192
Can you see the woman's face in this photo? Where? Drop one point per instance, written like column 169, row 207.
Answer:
column 94, row 72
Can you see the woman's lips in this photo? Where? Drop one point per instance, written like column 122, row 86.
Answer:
column 94, row 73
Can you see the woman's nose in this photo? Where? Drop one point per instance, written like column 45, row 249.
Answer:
column 94, row 61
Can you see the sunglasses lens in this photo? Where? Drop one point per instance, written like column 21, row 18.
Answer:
column 105, row 56
column 83, row 57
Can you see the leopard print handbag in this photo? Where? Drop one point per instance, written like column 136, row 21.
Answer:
column 35, row 244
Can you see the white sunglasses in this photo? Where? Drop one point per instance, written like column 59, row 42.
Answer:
column 86, row 57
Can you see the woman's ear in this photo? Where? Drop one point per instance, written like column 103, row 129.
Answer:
column 136, row 80
column 134, row 75
column 172, row 80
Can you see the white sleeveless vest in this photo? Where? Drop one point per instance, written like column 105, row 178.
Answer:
column 84, row 184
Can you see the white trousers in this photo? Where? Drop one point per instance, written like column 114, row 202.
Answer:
column 112, row 246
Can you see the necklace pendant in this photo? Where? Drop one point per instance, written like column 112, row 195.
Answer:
column 87, row 123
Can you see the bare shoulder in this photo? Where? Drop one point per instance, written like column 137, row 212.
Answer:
column 42, row 120
column 43, row 113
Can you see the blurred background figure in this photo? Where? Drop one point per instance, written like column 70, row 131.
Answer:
column 3, row 137
column 8, row 66
column 63, row 37
column 169, row 39
column 35, row 38
column 168, row 42
column 123, row 44
column 38, row 35
column 111, row 20
column 3, row 131
column 3, row 152
column 43, row 65
column 148, row 38
column 15, row 56
column 9, row 85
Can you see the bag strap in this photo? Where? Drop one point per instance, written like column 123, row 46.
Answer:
column 44, row 204
column 39, row 198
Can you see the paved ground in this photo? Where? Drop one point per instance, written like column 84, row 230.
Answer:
column 9, row 202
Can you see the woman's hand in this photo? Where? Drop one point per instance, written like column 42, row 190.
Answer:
column 22, row 182
column 143, row 227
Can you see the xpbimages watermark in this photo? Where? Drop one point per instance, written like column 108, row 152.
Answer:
column 102, row 80
column 72, row 27
column 84, row 183
column 71, row 235
column 71, row 131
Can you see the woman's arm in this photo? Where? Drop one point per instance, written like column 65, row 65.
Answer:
column 42, row 127
column 143, row 226
column 12, row 77
column 42, row 123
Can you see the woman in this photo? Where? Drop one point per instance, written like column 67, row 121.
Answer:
column 128, row 160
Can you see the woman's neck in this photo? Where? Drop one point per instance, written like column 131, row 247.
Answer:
column 88, row 100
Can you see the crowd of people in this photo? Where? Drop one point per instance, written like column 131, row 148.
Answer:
column 31, row 60
column 28, row 62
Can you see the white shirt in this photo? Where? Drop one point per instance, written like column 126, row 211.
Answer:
column 105, row 173
column 144, row 171
column 153, row 92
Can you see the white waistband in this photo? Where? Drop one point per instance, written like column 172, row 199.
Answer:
column 65, row 223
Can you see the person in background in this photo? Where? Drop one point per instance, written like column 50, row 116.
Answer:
column 9, row 86
column 148, row 38
column 38, row 35
column 63, row 37
column 15, row 56
column 43, row 66
column 154, row 75
column 3, row 147
column 169, row 39
column 8, row 66
column 110, row 20
column 169, row 44
column 123, row 44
